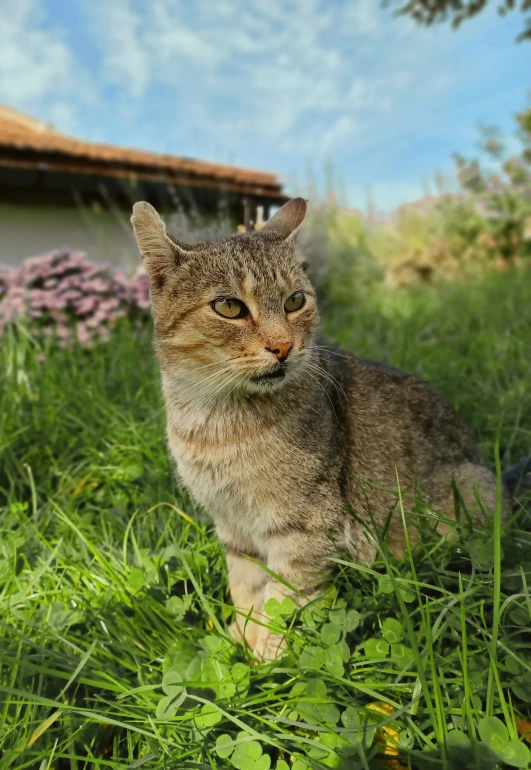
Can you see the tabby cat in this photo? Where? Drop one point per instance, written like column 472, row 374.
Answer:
column 291, row 448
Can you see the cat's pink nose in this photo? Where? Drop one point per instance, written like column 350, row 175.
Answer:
column 280, row 349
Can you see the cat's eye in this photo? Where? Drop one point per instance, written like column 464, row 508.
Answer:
column 295, row 302
column 229, row 307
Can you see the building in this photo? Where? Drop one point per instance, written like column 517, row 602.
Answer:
column 56, row 190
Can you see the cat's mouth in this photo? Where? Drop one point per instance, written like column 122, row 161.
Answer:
column 276, row 374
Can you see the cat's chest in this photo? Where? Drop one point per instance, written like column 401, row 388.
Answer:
column 244, row 478
column 239, row 471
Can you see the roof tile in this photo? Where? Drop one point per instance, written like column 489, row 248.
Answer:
column 22, row 132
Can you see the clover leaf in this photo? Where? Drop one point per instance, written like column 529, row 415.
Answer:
column 457, row 740
column 492, row 731
column 330, row 633
column 166, row 708
column 385, row 585
column 312, row 658
column 178, row 606
column 249, row 756
column 338, row 616
column 376, row 649
column 207, row 717
column 320, row 708
column 521, row 686
column 351, row 720
column 392, row 630
column 333, row 660
column 515, row 754
column 172, row 684
column 496, row 736
column 401, row 654
column 274, row 608
column 353, row 620
column 224, row 745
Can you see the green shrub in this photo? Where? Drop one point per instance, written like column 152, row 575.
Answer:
column 486, row 227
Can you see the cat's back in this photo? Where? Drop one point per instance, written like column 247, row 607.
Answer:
column 396, row 418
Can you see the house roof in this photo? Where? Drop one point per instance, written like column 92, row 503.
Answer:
column 30, row 143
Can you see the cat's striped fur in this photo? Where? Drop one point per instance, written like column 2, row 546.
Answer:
column 292, row 468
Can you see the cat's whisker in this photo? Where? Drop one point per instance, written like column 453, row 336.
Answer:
column 216, row 363
column 318, row 374
column 223, row 381
column 218, row 387
column 320, row 385
column 191, row 392
column 223, row 391
column 222, row 371
column 216, row 382
column 319, row 370
column 329, row 350
column 221, row 366
column 328, row 375
column 338, row 386
column 238, row 380
column 194, row 369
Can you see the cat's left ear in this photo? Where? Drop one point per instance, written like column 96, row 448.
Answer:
column 160, row 253
column 286, row 222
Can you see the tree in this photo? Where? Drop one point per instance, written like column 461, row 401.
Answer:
column 504, row 194
column 428, row 12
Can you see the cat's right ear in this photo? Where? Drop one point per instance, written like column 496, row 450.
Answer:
column 161, row 255
column 286, row 222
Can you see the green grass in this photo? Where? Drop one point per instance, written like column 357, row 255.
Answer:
column 113, row 596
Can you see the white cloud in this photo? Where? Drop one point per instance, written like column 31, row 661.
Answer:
column 259, row 83
column 345, row 128
column 302, row 75
column 127, row 60
column 39, row 72
column 363, row 16
column 172, row 42
column 273, row 62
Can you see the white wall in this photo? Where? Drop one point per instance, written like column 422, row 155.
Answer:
column 106, row 236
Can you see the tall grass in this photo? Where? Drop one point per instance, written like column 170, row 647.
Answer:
column 114, row 650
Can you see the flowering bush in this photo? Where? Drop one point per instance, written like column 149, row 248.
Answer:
column 65, row 295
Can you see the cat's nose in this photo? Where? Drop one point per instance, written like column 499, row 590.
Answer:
column 280, row 349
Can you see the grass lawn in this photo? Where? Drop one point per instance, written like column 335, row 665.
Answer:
column 113, row 596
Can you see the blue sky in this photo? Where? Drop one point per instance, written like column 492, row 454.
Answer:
column 280, row 85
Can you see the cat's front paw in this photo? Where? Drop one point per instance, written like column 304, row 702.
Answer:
column 244, row 631
column 268, row 646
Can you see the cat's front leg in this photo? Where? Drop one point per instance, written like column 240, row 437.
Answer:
column 246, row 584
column 301, row 561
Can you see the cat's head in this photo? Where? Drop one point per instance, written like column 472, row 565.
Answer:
column 236, row 315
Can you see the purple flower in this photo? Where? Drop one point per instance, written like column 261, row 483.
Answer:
column 85, row 305
column 83, row 333
column 62, row 294
column 63, row 332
